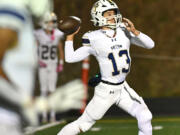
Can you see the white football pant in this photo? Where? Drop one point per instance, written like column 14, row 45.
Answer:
column 9, row 123
column 105, row 96
column 48, row 78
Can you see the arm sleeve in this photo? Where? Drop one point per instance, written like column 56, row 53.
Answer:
column 72, row 56
column 142, row 40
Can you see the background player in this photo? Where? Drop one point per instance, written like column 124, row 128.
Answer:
column 49, row 39
column 110, row 45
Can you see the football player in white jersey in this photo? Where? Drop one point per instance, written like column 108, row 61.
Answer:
column 49, row 39
column 110, row 45
column 18, row 62
column 17, row 57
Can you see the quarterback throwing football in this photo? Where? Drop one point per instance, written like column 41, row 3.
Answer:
column 110, row 45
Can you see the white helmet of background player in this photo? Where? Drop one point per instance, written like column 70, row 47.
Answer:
column 38, row 8
column 98, row 10
column 49, row 21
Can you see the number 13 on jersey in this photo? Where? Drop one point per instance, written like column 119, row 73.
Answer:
column 128, row 61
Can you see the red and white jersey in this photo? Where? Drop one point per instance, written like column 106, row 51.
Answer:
column 48, row 45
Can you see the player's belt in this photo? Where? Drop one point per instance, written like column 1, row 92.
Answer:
column 110, row 83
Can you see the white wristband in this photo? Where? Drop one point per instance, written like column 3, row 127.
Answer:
column 61, row 61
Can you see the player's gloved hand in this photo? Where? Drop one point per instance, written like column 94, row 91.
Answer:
column 59, row 68
column 66, row 97
column 95, row 80
column 69, row 96
column 42, row 64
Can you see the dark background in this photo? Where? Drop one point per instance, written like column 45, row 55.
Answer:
column 154, row 73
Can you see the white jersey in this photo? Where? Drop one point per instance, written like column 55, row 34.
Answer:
column 48, row 45
column 19, row 62
column 112, row 53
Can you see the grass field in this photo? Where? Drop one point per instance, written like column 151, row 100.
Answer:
column 124, row 126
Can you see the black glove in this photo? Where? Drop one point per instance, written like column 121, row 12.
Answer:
column 95, row 80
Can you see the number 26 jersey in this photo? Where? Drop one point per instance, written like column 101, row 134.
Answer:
column 48, row 45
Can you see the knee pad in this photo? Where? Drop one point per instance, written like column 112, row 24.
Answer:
column 85, row 122
column 70, row 129
column 43, row 93
column 52, row 88
column 141, row 111
column 143, row 114
column 147, row 115
column 86, row 126
column 144, row 117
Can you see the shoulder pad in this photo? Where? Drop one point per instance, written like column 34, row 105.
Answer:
column 85, row 39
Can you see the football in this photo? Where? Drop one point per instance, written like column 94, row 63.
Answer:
column 69, row 24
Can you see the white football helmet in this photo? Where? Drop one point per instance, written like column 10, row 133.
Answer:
column 49, row 17
column 39, row 7
column 36, row 8
column 98, row 10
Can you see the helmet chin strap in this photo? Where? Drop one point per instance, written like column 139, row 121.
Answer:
column 111, row 26
column 49, row 28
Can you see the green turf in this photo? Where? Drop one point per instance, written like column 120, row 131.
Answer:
column 125, row 126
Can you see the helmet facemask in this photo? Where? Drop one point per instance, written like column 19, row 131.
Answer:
column 117, row 19
column 49, row 21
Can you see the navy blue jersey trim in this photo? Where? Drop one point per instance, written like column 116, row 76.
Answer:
column 86, row 41
column 12, row 13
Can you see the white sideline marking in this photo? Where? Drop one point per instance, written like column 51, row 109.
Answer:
column 157, row 127
column 96, row 129
column 31, row 130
